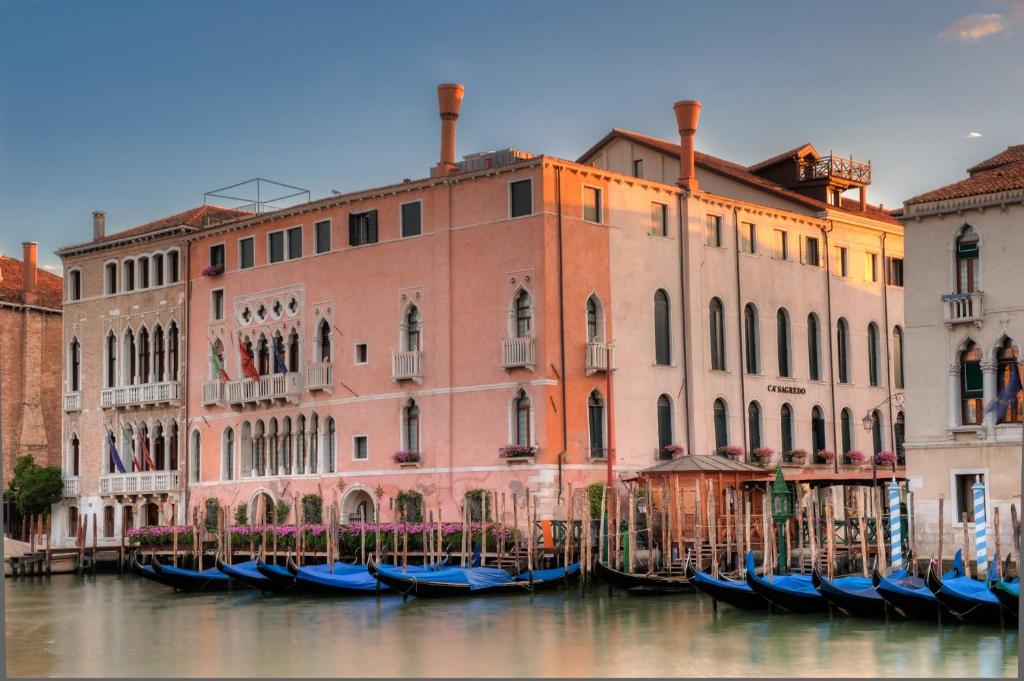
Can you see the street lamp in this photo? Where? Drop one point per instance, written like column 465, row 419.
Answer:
column 782, row 510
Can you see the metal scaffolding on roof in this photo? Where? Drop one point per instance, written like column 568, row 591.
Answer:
column 259, row 195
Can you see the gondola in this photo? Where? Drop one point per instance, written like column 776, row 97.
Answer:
column 210, row 579
column 793, row 593
column 1008, row 595
column 734, row 592
column 969, row 599
column 852, row 595
column 463, row 582
column 282, row 578
column 147, row 571
column 909, row 595
column 643, row 584
column 247, row 574
column 347, row 579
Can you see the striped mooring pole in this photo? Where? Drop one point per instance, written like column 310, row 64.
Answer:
column 895, row 529
column 980, row 528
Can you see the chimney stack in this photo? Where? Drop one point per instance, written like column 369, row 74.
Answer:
column 28, row 270
column 449, row 102
column 99, row 224
column 687, row 114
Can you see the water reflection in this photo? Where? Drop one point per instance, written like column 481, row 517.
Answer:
column 112, row 626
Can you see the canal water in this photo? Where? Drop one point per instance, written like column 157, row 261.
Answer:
column 110, row 626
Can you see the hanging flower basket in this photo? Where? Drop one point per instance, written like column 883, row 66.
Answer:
column 406, row 459
column 213, row 270
column 517, row 453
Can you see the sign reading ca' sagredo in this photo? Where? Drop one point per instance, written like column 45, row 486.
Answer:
column 788, row 389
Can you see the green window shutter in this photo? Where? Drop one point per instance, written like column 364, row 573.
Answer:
column 972, row 385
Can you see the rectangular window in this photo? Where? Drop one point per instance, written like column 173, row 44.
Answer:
column 781, row 244
column 246, row 253
column 965, row 495
column 275, row 247
column 842, row 262
column 870, row 267
column 411, row 219
column 592, row 204
column 217, row 255
column 895, row 272
column 659, row 219
column 294, row 243
column 749, row 233
column 75, row 285
column 362, row 228
column 362, row 355
column 322, row 231
column 217, row 305
column 713, row 229
column 172, row 267
column 520, row 198
column 638, row 167
column 110, row 285
column 360, row 447
column 812, row 256
column 158, row 271
column 129, row 275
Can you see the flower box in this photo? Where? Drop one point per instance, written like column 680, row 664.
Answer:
column 731, row 451
column 213, row 270
column 406, row 459
column 517, row 452
column 517, row 459
column 886, row 458
column 856, row 458
column 409, row 464
column 796, row 457
column 763, row 455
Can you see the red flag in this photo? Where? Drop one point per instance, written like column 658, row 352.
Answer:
column 145, row 454
column 248, row 368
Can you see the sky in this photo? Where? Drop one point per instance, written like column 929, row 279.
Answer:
column 138, row 108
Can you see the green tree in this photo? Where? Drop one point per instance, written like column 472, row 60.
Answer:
column 409, row 505
column 35, row 488
column 281, row 512
column 241, row 515
column 212, row 508
column 594, row 497
column 312, row 509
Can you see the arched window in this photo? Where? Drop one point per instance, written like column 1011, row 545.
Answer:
column 412, row 329
column 274, row 446
column 522, row 314
column 286, row 445
column 817, row 433
column 110, row 374
column 159, row 446
column 750, row 336
column 1007, row 377
column 897, row 357
column 293, row 351
column 594, row 321
column 259, row 449
column 279, row 361
column 144, row 355
column 331, row 445
column 971, row 386
column 129, row 377
column 876, row 431
column 721, row 424
column 411, row 427
column 217, row 370
column 75, row 366
column 968, row 263
column 324, row 336
column 300, row 444
column 716, row 322
column 595, row 414
column 521, row 420
column 786, row 425
column 664, row 426
column 195, row 457
column 813, row 348
column 172, row 351
column 172, row 446
column 873, row 353
column 782, row 323
column 843, row 349
column 263, row 356
column 314, row 447
column 159, row 358
column 662, row 337
column 846, row 428
column 754, row 425
column 900, row 434
column 75, row 455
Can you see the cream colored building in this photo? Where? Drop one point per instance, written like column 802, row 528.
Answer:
column 965, row 325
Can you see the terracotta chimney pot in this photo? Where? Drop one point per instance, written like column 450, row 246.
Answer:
column 29, row 270
column 687, row 114
column 449, row 103
column 99, row 224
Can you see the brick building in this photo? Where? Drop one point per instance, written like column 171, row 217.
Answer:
column 30, row 374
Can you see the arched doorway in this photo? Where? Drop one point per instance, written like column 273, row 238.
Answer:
column 358, row 504
column 152, row 514
column 268, row 505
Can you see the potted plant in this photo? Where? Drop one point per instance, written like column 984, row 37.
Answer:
column 797, row 456
column 516, row 452
column 406, row 459
column 213, row 270
column 886, row 458
column 734, row 451
column 827, row 454
column 674, row 450
column 856, row 457
column 763, row 455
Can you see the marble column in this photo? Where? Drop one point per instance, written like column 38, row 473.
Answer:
column 988, row 382
column 953, row 394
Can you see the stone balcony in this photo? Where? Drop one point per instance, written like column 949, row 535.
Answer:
column 213, row 392
column 70, row 485
column 407, row 366
column 73, row 401
column 962, row 308
column 132, row 396
column 519, row 352
column 598, row 357
column 273, row 388
column 320, row 376
column 150, row 482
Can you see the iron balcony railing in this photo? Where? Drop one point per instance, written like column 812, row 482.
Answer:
column 319, row 376
column 518, row 352
column 407, row 365
column 832, row 166
column 73, row 401
column 139, row 395
column 286, row 386
column 963, row 308
column 138, row 483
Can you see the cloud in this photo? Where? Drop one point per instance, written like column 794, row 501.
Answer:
column 975, row 27
column 973, row 135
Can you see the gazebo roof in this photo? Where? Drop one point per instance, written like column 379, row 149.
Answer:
column 704, row 463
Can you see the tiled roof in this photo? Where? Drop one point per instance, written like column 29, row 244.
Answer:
column 796, row 152
column 49, row 286
column 704, row 462
column 1002, row 172
column 193, row 218
column 739, row 173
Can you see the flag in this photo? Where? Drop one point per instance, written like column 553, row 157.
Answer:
column 280, row 367
column 248, row 368
column 136, row 466
column 115, row 460
column 145, row 454
column 223, row 375
column 1008, row 395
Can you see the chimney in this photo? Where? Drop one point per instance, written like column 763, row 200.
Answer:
column 449, row 102
column 687, row 113
column 28, row 270
column 863, row 198
column 99, row 224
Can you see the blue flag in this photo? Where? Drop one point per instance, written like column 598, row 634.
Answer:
column 1008, row 395
column 280, row 366
column 114, row 458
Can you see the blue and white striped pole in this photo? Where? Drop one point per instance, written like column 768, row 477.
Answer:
column 895, row 529
column 980, row 528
